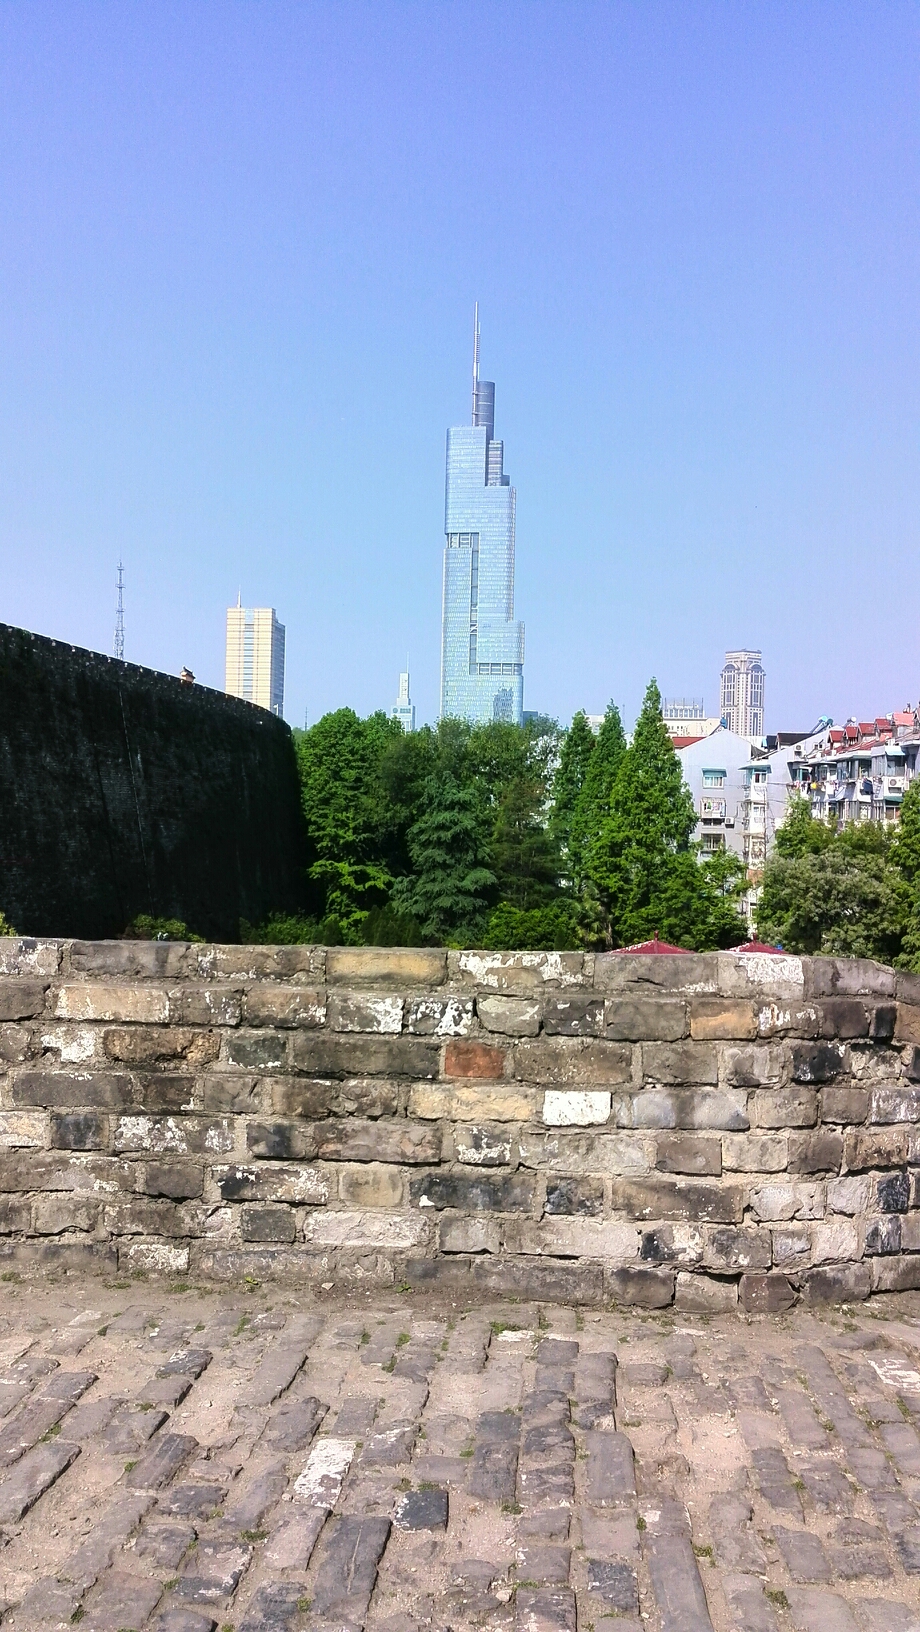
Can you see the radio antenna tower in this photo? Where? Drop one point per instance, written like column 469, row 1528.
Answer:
column 120, row 615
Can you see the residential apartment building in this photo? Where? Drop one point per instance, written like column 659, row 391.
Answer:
column 860, row 771
column 255, row 657
column 741, row 696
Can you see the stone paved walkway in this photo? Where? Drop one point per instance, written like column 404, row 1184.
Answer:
column 193, row 1459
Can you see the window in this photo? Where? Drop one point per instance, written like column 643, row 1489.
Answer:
column 713, row 779
column 713, row 842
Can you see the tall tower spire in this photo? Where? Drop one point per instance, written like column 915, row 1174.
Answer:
column 119, row 647
column 475, row 358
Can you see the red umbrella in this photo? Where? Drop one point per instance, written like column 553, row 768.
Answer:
column 651, row 946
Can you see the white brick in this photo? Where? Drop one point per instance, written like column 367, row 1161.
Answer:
column 835, row 1241
column 390, row 1231
column 581, row 1238
column 89, row 1001
column 23, row 1130
column 157, row 1258
column 575, row 1110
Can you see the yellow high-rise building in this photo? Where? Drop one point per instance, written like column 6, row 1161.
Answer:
column 255, row 657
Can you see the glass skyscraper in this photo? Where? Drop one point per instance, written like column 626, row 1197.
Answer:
column 482, row 647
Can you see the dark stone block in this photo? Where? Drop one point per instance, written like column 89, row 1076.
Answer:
column 818, row 1152
column 883, row 1235
column 846, row 1017
column 882, row 1023
column 281, row 1141
column 318, row 1055
column 422, row 1510
column 267, row 1224
column 817, row 1062
column 648, row 1288
column 893, row 1192
column 766, row 1294
column 575, row 1197
column 616, row 1584
column 577, row 1015
column 490, row 1193
column 176, row 1179
column 79, row 1130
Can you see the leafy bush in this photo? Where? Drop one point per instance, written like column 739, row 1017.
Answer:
column 146, row 928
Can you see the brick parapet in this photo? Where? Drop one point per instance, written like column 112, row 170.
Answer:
column 705, row 1127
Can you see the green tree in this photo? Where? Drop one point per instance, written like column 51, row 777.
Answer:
column 352, row 827
column 524, row 856
column 837, row 901
column 553, row 928
column 578, row 745
column 905, row 857
column 592, row 806
column 451, row 886
column 802, row 834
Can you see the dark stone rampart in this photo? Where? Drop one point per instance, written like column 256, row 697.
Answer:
column 124, row 791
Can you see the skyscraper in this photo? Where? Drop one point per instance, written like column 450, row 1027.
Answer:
column 404, row 708
column 482, row 647
column 741, row 702
column 255, row 656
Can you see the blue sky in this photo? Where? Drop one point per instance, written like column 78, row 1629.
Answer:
column 239, row 249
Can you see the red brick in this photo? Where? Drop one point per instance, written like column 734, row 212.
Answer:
column 464, row 1057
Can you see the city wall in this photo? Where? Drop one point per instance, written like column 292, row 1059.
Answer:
column 124, row 791
column 701, row 1129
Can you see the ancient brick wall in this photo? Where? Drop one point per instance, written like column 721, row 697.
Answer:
column 123, row 791
column 641, row 1129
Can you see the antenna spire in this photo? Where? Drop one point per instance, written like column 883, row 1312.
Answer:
column 475, row 357
column 119, row 647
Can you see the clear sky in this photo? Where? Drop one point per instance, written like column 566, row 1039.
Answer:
column 239, row 249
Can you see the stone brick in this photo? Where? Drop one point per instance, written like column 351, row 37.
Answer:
column 321, row 1055
column 578, row 1154
column 772, row 1203
column 892, row 1192
column 696, row 972
column 467, row 1057
column 645, row 1019
column 894, row 1103
column 702, row 1109
column 565, row 1108
column 689, row 1153
column 459, row 1102
column 789, row 1019
column 371, row 1185
column 657, row 1198
column 231, row 1091
column 392, row 1139
column 95, row 1001
column 169, row 1091
column 542, row 1279
column 354, row 1096
column 23, row 1130
column 52, row 1215
column 244, row 963
column 843, row 1104
column 645, row 1288
column 577, row 1014
column 882, row 1022
column 392, row 966
column 477, row 1145
column 766, row 1294
column 583, row 1197
column 521, row 974
column 579, row 1238
column 883, row 1235
column 791, row 1246
column 910, row 1232
column 565, row 1062
column 510, row 1016
column 176, row 1179
column 834, row 1241
column 794, row 1107
column 755, row 1152
column 69, row 1090
column 704, row 1294
column 57, row 1170
column 756, row 1066
column 848, row 1195
column 303, row 1185
column 257, row 1051
column 21, row 955
column 817, row 1062
column 740, row 973
column 78, row 1130
column 875, row 1147
column 733, row 1249
column 386, row 1231
column 844, row 1017
column 440, row 1017
column 15, row 1215
column 895, row 1274
column 204, row 1006
column 836, row 1283
column 149, row 1045
column 173, row 1135
column 714, row 1018
column 818, row 1152
column 847, row 977
column 21, row 999
column 680, row 1063
column 143, row 1216
column 347, row 1012
column 459, row 1234
column 473, row 1192
column 270, row 1005
column 907, row 1029
column 271, row 1141
column 672, row 1244
column 267, row 1224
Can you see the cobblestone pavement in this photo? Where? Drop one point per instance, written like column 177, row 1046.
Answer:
column 260, row 1460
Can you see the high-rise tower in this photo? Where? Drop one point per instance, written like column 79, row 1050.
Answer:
column 482, row 647
column 255, row 656
column 741, row 699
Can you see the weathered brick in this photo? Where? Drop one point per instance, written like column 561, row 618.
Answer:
column 466, row 1057
column 440, row 1016
column 646, row 1288
column 582, row 1197
column 755, row 1152
column 586, row 1154
column 892, row 1193
column 91, row 1000
column 612, row 1241
column 459, row 1234
column 273, row 1141
column 714, row 1018
column 230, row 1091
column 267, row 1224
column 632, row 1019
column 844, row 1017
column 786, row 1107
column 23, row 1130
column 817, row 1062
column 740, row 973
column 699, row 1108
column 883, row 1235
column 521, row 974
column 818, row 1152
column 774, row 1202
column 696, row 972
column 690, row 1199
column 257, row 1051
column 791, row 1246
column 576, row 1014
column 572, row 1062
column 895, row 1274
column 847, row 977
column 21, row 999
column 468, row 1192
column 204, row 1006
column 704, row 1294
column 462, row 1102
column 483, row 1145
column 15, row 1215
column 688, row 1153
column 128, row 958
column 392, row 1139
column 149, row 1045
column 270, row 1005
column 848, row 1195
column 346, row 1012
column 69, row 1090
column 882, row 1022
column 789, row 1019
column 57, row 1170
column 754, row 1067
column 672, row 1244
column 372, row 1185
column 834, row 1240
column 769, row 1294
column 510, row 1016
column 894, row 1103
column 836, row 1283
column 875, row 1147
column 391, row 966
column 306, row 1186
column 734, row 1249
column 549, row 1280
column 563, row 1108
column 340, row 1056
column 177, row 1179
column 79, row 1130
column 353, row 1096
column 142, row 1215
column 680, row 1063
column 380, row 1230
column 52, row 1215
column 179, row 1135
column 243, row 963
column 843, row 1104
